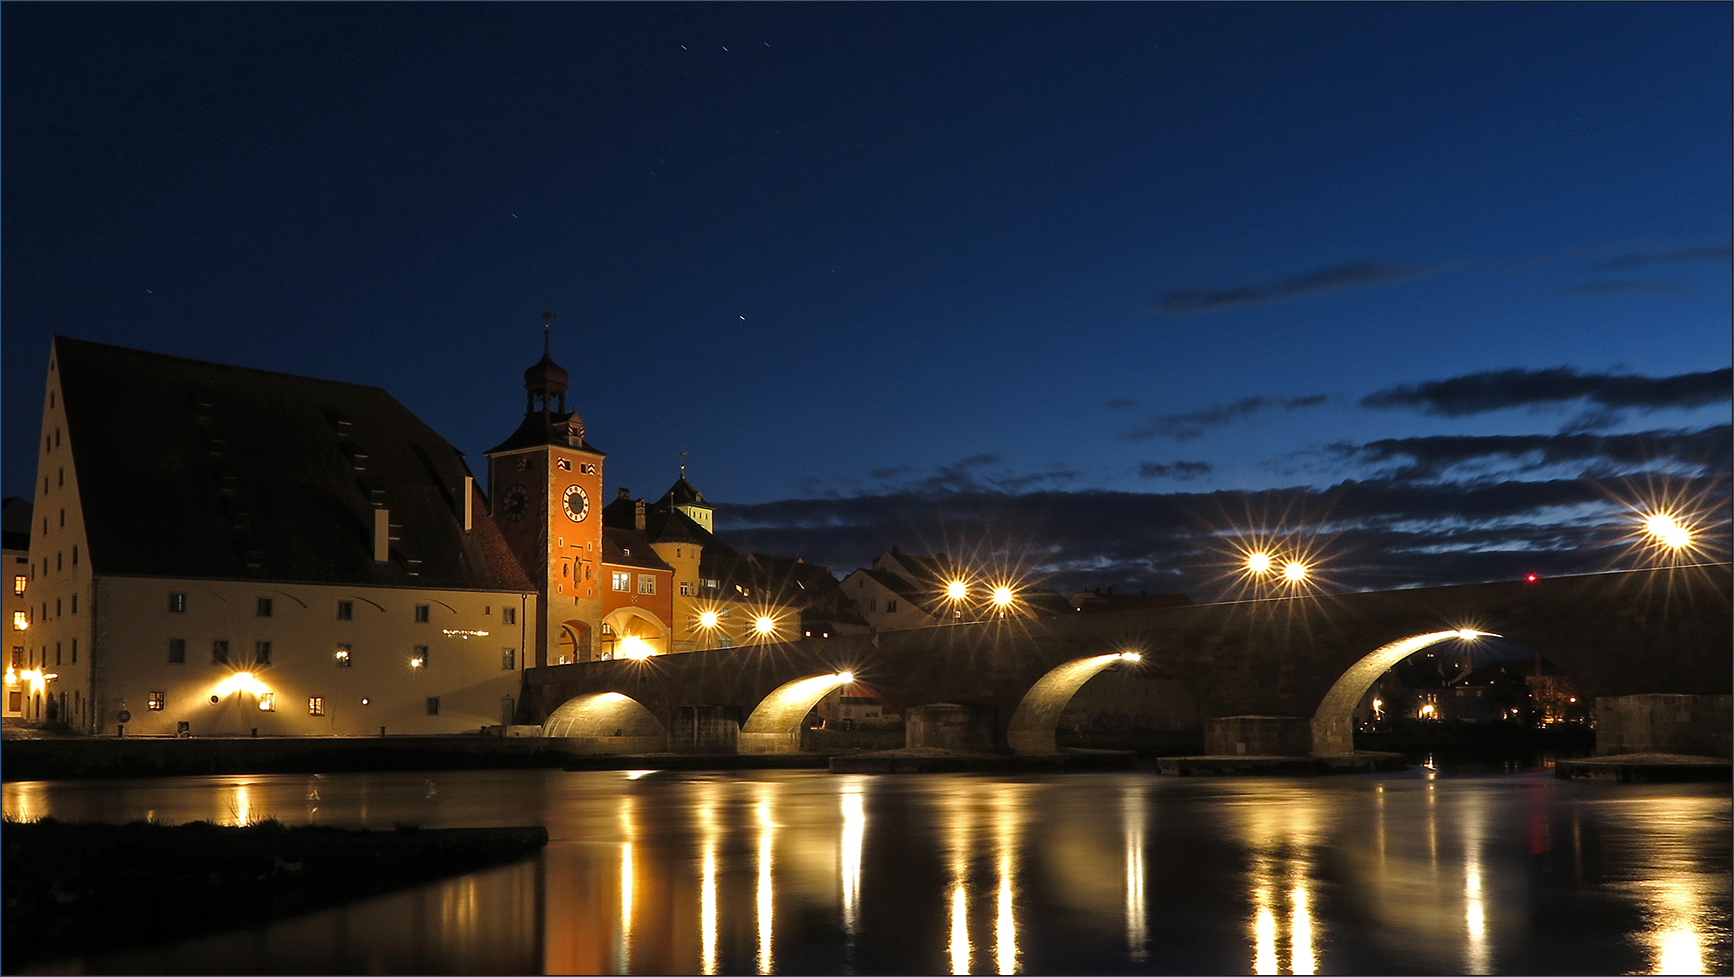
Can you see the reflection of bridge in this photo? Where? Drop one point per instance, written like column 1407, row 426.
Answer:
column 1615, row 634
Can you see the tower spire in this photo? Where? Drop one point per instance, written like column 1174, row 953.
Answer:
column 547, row 380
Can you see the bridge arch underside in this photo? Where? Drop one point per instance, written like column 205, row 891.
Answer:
column 1333, row 723
column 775, row 725
column 606, row 723
column 1037, row 716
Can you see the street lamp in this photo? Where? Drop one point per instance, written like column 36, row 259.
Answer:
column 1667, row 531
column 1258, row 564
column 1294, row 572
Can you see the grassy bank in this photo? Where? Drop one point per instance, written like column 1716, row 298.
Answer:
column 73, row 888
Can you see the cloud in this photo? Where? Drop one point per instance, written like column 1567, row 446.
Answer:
column 1635, row 286
column 1707, row 450
column 1495, row 390
column 1700, row 252
column 1382, row 532
column 1182, row 427
column 1361, row 274
column 1180, row 471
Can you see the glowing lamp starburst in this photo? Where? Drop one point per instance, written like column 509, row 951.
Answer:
column 1002, row 597
column 956, row 590
column 708, row 619
column 1294, row 571
column 764, row 625
column 1258, row 563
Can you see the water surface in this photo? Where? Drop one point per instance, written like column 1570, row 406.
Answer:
column 1124, row 872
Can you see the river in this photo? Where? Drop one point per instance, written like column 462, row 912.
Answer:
column 1124, row 872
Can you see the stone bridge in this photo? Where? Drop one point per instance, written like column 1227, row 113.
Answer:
column 1313, row 658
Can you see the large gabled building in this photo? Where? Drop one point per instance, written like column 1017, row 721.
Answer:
column 217, row 549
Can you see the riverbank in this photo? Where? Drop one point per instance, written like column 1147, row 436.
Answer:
column 135, row 756
column 1647, row 768
column 78, row 888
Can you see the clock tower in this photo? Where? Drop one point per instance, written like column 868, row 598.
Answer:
column 545, row 485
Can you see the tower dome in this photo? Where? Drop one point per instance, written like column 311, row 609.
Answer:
column 546, row 380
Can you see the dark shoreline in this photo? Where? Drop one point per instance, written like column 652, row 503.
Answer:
column 78, row 888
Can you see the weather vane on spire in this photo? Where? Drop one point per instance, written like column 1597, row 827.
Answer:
column 683, row 454
column 547, row 328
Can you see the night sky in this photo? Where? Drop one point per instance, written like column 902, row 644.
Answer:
column 1438, row 290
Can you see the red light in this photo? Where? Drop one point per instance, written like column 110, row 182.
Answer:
column 1530, row 578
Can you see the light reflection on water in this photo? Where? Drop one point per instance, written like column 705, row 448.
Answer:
column 782, row 871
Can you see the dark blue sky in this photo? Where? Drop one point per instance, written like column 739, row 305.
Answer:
column 1080, row 284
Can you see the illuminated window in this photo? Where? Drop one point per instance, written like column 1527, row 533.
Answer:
column 346, row 610
column 646, row 584
column 315, row 705
column 177, row 603
column 267, row 702
column 421, row 613
column 156, row 702
column 418, row 658
column 219, row 652
column 261, row 652
column 177, row 651
column 621, row 581
column 20, row 621
column 17, row 656
column 263, row 607
column 342, row 656
column 19, row 583
column 509, row 659
column 433, row 705
column 508, row 615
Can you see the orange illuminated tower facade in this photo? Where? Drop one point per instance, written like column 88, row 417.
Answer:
column 545, row 489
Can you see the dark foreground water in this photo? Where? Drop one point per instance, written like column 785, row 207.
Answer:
column 806, row 872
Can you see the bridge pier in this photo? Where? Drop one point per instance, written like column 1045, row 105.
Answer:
column 949, row 726
column 1693, row 725
column 1258, row 736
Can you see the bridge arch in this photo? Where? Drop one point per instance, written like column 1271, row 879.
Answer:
column 606, row 722
column 1333, row 723
column 1038, row 712
column 775, row 725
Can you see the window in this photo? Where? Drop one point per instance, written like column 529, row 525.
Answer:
column 261, row 652
column 509, row 659
column 220, row 652
column 646, row 583
column 346, row 610
column 315, row 705
column 57, row 654
column 63, row 518
column 890, row 606
column 342, row 656
column 75, row 603
column 20, row 621
column 156, row 702
column 724, row 641
column 433, row 705
column 421, row 613
column 873, row 604
column 686, row 588
column 621, row 581
column 264, row 607
column 75, row 556
column 418, row 657
column 17, row 656
column 508, row 615
column 59, row 561
column 62, row 477
column 75, row 651
column 267, row 702
column 177, row 603
column 56, row 607
column 177, row 651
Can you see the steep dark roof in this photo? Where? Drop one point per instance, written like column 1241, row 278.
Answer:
column 682, row 493
column 195, row 469
column 15, row 522
column 547, row 427
column 630, row 548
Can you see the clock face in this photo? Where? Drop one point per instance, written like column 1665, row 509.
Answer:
column 517, row 503
column 577, row 503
